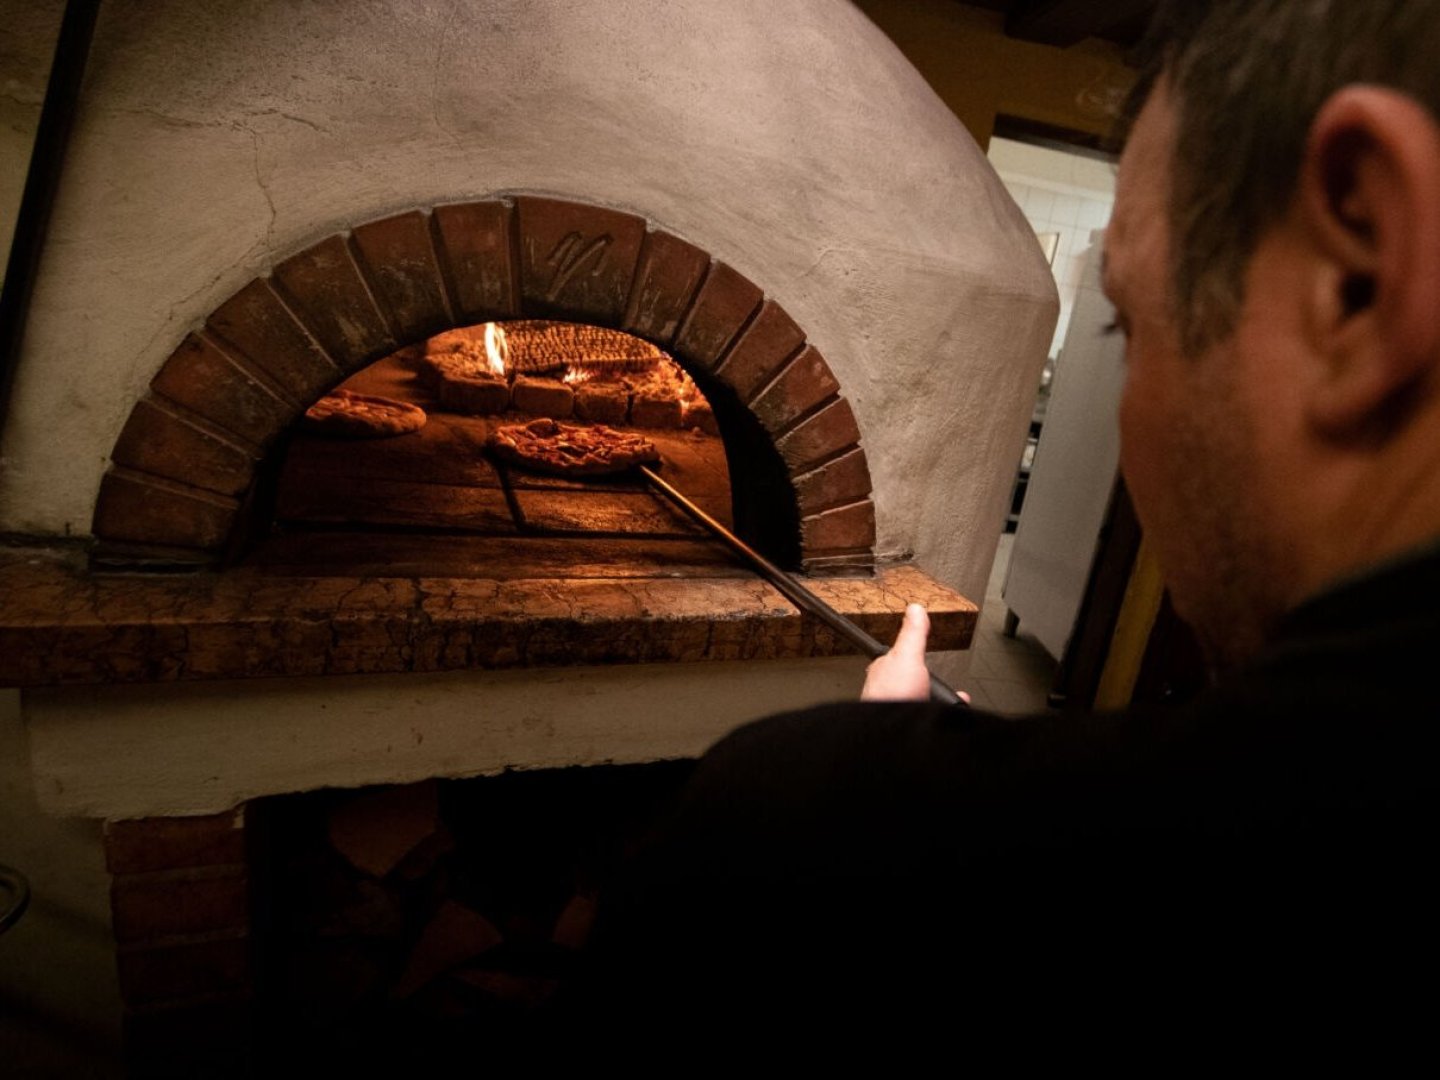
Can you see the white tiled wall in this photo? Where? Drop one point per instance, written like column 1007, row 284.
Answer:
column 1060, row 193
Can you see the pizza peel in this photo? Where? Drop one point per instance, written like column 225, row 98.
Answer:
column 789, row 587
column 785, row 583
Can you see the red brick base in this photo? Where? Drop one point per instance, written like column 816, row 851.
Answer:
column 181, row 904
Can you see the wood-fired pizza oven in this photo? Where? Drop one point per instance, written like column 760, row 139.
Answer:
column 262, row 201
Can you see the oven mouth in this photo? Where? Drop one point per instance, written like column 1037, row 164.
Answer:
column 189, row 473
column 401, row 466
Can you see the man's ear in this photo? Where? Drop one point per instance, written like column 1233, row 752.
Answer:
column 1368, row 195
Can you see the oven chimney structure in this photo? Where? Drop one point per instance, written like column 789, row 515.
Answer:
column 793, row 142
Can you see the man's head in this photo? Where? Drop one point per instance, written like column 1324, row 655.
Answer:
column 1247, row 78
column 1275, row 261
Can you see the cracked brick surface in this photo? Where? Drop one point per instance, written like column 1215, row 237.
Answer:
column 62, row 625
column 215, row 385
column 256, row 324
column 474, row 240
column 334, row 302
column 845, row 528
column 400, row 260
column 146, row 509
column 804, row 384
column 844, row 480
column 726, row 302
column 821, row 436
column 577, row 261
column 165, row 442
column 761, row 351
column 666, row 281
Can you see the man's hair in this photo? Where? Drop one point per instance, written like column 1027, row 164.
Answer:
column 1247, row 78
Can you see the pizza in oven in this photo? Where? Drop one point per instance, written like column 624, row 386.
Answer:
column 549, row 446
column 346, row 414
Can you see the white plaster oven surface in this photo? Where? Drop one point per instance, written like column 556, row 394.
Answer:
column 790, row 139
column 166, row 750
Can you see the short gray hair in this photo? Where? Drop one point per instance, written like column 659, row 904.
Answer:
column 1247, row 78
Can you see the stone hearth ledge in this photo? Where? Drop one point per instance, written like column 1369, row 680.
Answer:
column 61, row 625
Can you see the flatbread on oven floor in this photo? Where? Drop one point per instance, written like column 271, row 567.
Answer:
column 349, row 415
column 571, row 449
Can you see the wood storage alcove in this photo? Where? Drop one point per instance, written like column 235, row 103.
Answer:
column 188, row 476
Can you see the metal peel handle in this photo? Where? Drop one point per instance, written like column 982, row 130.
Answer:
column 791, row 589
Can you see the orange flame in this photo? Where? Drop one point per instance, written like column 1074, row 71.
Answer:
column 688, row 390
column 497, row 349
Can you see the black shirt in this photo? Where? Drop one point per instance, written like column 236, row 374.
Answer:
column 1252, row 864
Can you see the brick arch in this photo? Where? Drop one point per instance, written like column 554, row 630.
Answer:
column 186, row 460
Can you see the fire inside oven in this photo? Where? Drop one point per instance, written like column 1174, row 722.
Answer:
column 398, row 469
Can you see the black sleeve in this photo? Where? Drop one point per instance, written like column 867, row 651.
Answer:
column 1063, row 885
column 838, row 860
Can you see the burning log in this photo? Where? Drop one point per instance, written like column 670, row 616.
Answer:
column 601, row 401
column 658, row 397
column 467, row 369
column 608, row 377
column 469, row 350
column 699, row 416
column 655, row 412
column 482, row 395
column 542, row 397
column 537, row 346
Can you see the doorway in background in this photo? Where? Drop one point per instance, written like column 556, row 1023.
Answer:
column 1064, row 182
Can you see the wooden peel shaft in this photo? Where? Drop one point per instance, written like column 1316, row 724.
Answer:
column 791, row 589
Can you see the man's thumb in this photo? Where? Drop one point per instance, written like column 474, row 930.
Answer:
column 914, row 630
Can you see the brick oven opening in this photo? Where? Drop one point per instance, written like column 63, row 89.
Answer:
column 194, row 475
column 395, row 471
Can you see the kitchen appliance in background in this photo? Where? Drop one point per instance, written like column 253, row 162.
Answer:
column 1032, row 440
column 1075, row 461
column 1050, row 245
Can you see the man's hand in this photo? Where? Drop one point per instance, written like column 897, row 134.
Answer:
column 901, row 675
